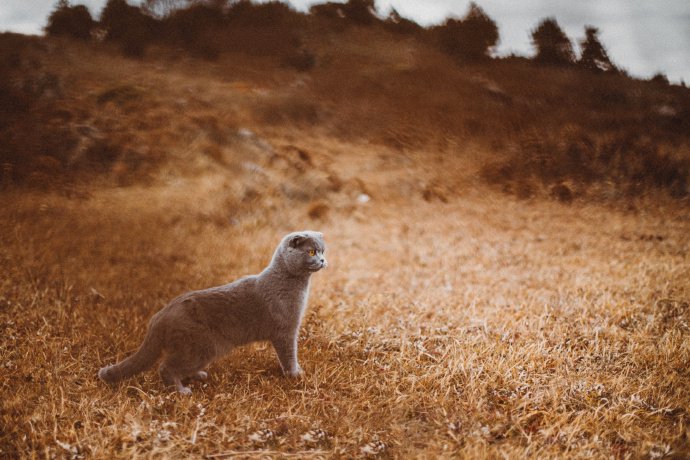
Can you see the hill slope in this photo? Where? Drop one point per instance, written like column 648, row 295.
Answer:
column 454, row 320
column 526, row 128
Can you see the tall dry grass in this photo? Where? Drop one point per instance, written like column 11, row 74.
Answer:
column 471, row 329
column 454, row 321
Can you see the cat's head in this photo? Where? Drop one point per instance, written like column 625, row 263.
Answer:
column 303, row 252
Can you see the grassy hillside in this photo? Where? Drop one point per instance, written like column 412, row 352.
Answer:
column 455, row 319
column 522, row 127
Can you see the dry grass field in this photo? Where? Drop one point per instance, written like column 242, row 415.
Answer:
column 453, row 321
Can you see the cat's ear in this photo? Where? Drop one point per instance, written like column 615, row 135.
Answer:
column 295, row 240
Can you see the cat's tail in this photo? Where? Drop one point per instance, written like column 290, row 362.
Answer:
column 141, row 360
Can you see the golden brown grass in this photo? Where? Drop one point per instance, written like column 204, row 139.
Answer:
column 479, row 327
column 470, row 328
column 453, row 321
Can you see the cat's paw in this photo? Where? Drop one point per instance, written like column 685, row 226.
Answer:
column 295, row 373
column 185, row 391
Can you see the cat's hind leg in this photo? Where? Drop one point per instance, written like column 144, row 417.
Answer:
column 174, row 377
column 183, row 390
column 177, row 372
column 166, row 376
column 198, row 376
column 187, row 354
column 171, row 379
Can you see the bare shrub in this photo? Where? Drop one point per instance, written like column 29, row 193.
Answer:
column 30, row 152
column 271, row 29
column 16, row 93
column 128, row 26
column 552, row 44
column 267, row 29
column 471, row 38
column 197, row 29
column 70, row 21
column 631, row 163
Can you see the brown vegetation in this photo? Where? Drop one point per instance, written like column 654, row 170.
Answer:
column 473, row 328
column 454, row 320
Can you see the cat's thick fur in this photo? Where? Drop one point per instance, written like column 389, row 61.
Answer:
column 200, row 326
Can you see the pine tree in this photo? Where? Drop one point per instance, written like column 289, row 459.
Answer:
column 552, row 44
column 128, row 25
column 70, row 21
column 399, row 24
column 481, row 33
column 471, row 38
column 360, row 11
column 594, row 56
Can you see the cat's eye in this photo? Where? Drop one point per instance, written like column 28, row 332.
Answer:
column 312, row 252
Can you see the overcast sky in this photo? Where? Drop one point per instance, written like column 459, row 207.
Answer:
column 642, row 36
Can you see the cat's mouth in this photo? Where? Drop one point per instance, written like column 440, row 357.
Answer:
column 317, row 267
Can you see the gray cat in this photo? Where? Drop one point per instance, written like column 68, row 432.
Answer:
column 200, row 326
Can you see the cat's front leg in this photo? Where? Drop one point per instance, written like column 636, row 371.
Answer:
column 286, row 349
